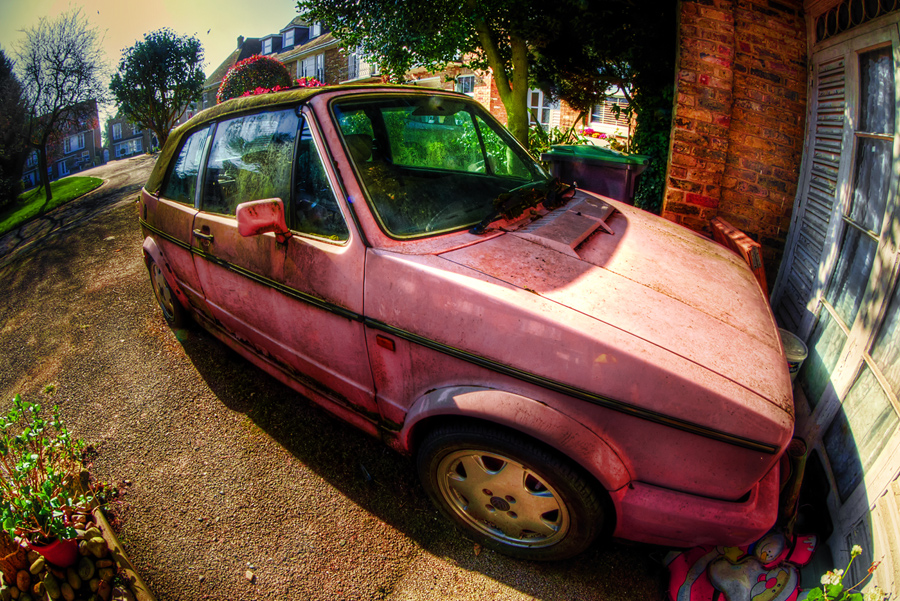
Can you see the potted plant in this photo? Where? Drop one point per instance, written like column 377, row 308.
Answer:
column 43, row 494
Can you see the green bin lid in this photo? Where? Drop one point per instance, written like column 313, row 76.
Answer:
column 589, row 152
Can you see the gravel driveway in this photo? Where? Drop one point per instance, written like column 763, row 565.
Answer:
column 234, row 486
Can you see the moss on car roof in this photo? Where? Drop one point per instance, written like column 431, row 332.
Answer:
column 243, row 104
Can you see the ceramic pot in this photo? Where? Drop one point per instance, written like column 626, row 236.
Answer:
column 62, row 552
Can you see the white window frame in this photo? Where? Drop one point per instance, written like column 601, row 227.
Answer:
column 73, row 143
column 464, row 81
column 313, row 66
column 62, row 169
column 117, row 131
column 288, row 39
column 542, row 105
column 267, row 46
column 315, row 30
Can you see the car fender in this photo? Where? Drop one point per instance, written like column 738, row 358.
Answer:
column 528, row 416
column 152, row 251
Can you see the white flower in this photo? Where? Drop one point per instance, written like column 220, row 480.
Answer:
column 856, row 551
column 834, row 577
column 874, row 594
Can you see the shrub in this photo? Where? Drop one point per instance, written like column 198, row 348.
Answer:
column 251, row 73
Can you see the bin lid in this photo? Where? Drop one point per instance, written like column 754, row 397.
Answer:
column 589, row 152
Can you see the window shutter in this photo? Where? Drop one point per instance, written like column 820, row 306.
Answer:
column 819, row 195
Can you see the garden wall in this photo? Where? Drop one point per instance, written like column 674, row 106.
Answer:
column 738, row 130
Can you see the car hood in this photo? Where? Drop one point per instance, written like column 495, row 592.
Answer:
column 648, row 277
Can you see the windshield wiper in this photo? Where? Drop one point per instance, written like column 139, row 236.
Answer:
column 552, row 193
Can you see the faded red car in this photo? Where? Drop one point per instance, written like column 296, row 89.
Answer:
column 560, row 364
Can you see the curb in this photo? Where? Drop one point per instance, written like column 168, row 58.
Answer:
column 138, row 586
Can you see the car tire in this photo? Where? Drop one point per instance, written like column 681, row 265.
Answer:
column 510, row 493
column 172, row 310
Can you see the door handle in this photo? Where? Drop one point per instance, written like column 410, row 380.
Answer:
column 206, row 237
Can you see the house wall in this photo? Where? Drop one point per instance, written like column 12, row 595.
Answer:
column 739, row 118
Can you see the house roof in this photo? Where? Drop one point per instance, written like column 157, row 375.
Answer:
column 249, row 47
column 296, row 22
column 326, row 39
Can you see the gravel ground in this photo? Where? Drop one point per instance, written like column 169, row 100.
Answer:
column 232, row 485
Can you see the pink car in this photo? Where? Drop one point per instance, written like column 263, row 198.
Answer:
column 560, row 364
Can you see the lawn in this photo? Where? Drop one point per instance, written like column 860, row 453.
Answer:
column 31, row 203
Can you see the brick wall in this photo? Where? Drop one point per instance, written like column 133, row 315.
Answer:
column 336, row 66
column 738, row 131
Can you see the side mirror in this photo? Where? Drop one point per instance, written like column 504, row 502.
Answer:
column 261, row 216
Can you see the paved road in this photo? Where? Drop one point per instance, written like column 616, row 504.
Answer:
column 223, row 470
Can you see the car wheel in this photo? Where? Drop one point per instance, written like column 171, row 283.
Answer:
column 172, row 310
column 509, row 493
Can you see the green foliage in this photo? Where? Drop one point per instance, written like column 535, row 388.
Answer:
column 832, row 588
column 157, row 79
column 540, row 141
column 40, row 474
column 257, row 71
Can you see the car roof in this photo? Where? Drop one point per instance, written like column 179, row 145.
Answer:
column 248, row 103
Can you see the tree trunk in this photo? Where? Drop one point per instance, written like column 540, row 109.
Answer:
column 45, row 176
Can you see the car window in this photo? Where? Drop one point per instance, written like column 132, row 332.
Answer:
column 430, row 164
column 316, row 211
column 250, row 159
column 182, row 182
column 433, row 141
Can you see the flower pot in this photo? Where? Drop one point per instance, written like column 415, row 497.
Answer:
column 62, row 552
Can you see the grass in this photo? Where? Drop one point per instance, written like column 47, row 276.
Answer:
column 31, row 204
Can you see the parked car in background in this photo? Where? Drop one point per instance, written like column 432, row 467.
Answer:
column 561, row 365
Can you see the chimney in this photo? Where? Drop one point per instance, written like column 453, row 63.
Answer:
column 240, row 41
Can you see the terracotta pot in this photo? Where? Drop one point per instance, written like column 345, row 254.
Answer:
column 62, row 552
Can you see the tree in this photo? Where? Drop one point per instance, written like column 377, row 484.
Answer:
column 500, row 34
column 254, row 72
column 634, row 53
column 12, row 132
column 61, row 70
column 157, row 79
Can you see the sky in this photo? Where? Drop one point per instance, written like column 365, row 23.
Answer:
column 217, row 24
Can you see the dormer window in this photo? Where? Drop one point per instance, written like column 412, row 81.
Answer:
column 289, row 37
column 315, row 30
column 267, row 46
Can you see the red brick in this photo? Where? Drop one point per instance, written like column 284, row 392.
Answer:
column 701, row 201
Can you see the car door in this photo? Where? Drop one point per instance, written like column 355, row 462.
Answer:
column 297, row 302
column 323, row 269
column 170, row 215
column 249, row 159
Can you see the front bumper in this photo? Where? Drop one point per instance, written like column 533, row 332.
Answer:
column 660, row 516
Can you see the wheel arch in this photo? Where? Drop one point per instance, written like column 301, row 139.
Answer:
column 538, row 421
column 151, row 252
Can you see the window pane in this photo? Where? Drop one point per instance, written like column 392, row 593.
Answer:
column 848, row 283
column 250, row 159
column 876, row 111
column 886, row 351
column 825, row 347
column 315, row 209
column 873, row 174
column 182, row 183
column 859, row 432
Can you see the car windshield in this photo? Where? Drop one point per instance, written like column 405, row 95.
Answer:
column 431, row 164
